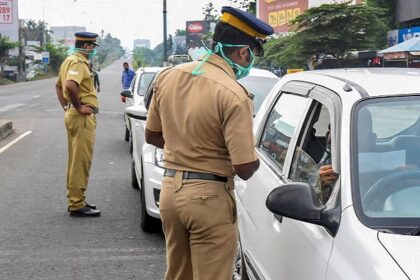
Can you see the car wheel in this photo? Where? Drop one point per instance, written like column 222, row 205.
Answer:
column 134, row 182
column 239, row 270
column 127, row 134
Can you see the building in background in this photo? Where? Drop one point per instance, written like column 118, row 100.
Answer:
column 141, row 43
column 408, row 17
column 65, row 34
column 279, row 13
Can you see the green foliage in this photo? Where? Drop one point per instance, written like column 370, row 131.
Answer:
column 390, row 10
column 248, row 5
column 144, row 57
column 180, row 32
column 35, row 31
column 110, row 49
column 210, row 13
column 5, row 46
column 57, row 55
column 330, row 30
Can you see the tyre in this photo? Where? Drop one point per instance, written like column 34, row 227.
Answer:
column 134, row 182
column 127, row 134
column 239, row 270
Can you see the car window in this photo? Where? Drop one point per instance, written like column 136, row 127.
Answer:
column 144, row 82
column 133, row 82
column 259, row 87
column 388, row 157
column 149, row 92
column 281, row 124
column 313, row 151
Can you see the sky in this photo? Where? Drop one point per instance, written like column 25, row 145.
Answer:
column 124, row 19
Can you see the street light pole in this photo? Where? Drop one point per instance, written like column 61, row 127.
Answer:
column 165, row 43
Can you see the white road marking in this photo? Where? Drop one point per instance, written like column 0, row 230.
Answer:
column 15, row 141
column 36, row 96
column 11, row 107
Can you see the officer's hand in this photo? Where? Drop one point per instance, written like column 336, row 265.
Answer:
column 327, row 175
column 85, row 110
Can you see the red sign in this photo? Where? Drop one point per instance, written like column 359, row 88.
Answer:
column 6, row 11
column 195, row 27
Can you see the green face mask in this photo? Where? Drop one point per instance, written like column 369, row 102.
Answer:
column 240, row 71
column 92, row 53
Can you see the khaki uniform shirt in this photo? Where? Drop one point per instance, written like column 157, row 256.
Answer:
column 76, row 68
column 206, row 120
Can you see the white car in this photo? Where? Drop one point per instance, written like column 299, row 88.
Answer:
column 135, row 95
column 147, row 169
column 366, row 225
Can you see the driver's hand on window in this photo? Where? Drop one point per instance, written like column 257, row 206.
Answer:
column 327, row 175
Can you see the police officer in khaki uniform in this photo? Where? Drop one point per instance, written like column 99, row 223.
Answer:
column 202, row 118
column 77, row 96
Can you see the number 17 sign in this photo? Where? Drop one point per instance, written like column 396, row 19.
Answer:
column 6, row 11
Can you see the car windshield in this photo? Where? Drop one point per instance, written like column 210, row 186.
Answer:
column 144, row 82
column 259, row 87
column 386, row 164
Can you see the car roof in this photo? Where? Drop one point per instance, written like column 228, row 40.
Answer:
column 373, row 81
column 255, row 72
column 148, row 69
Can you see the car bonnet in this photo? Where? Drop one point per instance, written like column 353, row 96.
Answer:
column 405, row 250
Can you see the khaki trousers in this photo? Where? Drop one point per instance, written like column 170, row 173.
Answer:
column 81, row 139
column 199, row 222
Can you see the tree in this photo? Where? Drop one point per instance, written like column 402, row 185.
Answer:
column 144, row 57
column 210, row 13
column 331, row 31
column 248, row 5
column 36, row 31
column 180, row 32
column 389, row 7
column 5, row 46
column 110, row 49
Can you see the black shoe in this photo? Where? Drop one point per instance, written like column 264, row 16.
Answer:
column 85, row 212
column 91, row 206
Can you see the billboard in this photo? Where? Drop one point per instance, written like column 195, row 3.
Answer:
column 279, row 13
column 9, row 21
column 195, row 31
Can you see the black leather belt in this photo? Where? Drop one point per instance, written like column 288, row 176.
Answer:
column 195, row 175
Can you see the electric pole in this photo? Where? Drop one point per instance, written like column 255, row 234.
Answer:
column 165, row 43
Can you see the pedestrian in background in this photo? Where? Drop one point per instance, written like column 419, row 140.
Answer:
column 202, row 118
column 95, row 78
column 126, row 78
column 77, row 96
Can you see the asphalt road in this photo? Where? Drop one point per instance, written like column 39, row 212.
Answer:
column 38, row 239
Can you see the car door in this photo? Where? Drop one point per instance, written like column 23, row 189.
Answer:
column 276, row 247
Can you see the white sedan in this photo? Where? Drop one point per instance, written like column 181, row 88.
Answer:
column 147, row 169
column 364, row 223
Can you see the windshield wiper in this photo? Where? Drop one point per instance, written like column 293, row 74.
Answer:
column 414, row 232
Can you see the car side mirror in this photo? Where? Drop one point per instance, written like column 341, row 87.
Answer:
column 299, row 201
column 126, row 93
column 138, row 112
